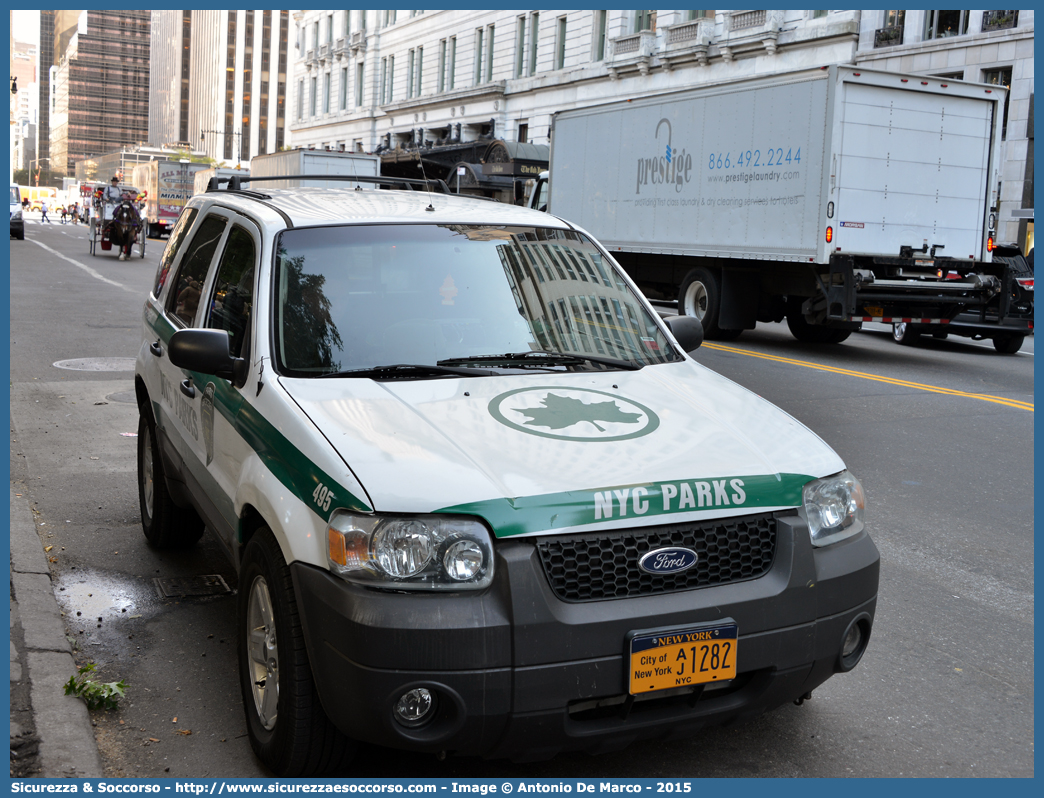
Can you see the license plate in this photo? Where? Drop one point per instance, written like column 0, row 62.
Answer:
column 670, row 658
column 924, row 263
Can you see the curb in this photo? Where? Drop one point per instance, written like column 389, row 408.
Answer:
column 63, row 725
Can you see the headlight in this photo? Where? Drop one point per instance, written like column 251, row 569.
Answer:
column 834, row 508
column 17, row 215
column 420, row 552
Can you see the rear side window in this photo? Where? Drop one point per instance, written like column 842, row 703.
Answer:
column 234, row 290
column 188, row 285
column 177, row 238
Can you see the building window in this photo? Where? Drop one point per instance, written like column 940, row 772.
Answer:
column 452, row 62
column 312, row 98
column 358, row 85
column 818, row 14
column 478, row 56
column 999, row 20
column 601, row 19
column 315, row 34
column 329, row 29
column 520, row 46
column 489, row 52
column 300, row 100
column 523, row 132
column 418, row 81
column 943, row 24
column 644, row 20
column 560, row 44
column 344, row 89
column 409, row 73
column 1000, row 77
column 692, row 15
column 347, row 24
column 892, row 31
column 326, row 93
column 534, row 41
column 440, row 79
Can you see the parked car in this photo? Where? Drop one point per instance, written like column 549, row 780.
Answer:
column 479, row 497
column 17, row 223
column 1007, row 333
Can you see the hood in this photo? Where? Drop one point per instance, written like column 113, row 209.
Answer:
column 542, row 453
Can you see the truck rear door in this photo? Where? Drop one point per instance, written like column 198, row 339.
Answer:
column 912, row 166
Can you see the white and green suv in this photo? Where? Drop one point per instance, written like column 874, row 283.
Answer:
column 479, row 498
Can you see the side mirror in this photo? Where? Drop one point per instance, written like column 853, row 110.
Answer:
column 687, row 330
column 207, row 351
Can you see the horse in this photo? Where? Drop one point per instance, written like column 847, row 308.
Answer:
column 123, row 228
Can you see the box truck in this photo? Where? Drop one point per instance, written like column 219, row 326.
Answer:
column 167, row 186
column 312, row 162
column 829, row 197
column 202, row 178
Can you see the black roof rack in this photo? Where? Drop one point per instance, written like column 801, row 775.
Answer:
column 236, row 182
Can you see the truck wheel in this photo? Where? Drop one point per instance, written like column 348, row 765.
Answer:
column 905, row 334
column 699, row 295
column 166, row 525
column 810, row 333
column 1008, row 344
column 288, row 729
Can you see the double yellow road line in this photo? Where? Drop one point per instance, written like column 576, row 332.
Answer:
column 1000, row 400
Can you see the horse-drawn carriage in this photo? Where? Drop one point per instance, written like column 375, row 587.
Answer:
column 115, row 221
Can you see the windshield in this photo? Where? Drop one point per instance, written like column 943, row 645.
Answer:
column 16, row 198
column 355, row 297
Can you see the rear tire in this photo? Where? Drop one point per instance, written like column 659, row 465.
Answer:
column 699, row 295
column 905, row 334
column 1008, row 344
column 810, row 333
column 288, row 728
column 166, row 525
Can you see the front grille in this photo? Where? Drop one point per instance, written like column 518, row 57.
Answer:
column 600, row 566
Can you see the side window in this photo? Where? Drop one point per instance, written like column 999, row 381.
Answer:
column 177, row 238
column 234, row 290
column 185, row 293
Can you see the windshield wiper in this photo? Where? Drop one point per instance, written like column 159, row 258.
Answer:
column 541, row 358
column 410, row 370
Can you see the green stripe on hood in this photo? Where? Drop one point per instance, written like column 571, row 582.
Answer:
column 578, row 508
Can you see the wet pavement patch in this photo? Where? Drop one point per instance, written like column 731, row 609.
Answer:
column 97, row 364
column 190, row 586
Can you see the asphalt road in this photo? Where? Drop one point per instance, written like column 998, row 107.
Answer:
column 941, row 436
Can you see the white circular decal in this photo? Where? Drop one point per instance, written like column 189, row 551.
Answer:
column 573, row 414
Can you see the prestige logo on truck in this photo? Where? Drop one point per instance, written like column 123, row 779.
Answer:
column 674, row 167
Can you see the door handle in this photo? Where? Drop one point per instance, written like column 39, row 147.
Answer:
column 187, row 389
column 156, row 349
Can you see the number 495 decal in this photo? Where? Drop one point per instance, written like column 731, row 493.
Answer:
column 322, row 496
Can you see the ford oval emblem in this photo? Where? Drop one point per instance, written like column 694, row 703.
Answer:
column 670, row 560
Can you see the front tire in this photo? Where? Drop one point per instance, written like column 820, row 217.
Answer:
column 288, row 728
column 166, row 525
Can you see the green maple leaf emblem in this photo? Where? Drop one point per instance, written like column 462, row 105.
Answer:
column 560, row 412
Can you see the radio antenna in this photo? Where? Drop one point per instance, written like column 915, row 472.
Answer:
column 427, row 185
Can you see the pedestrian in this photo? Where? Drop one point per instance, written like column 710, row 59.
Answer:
column 64, row 213
column 43, row 212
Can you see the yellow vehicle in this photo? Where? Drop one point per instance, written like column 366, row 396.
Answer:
column 36, row 195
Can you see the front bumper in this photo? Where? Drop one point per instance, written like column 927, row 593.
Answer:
column 523, row 675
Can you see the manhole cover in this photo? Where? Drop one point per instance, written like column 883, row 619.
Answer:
column 190, row 586
column 97, row 364
column 123, row 396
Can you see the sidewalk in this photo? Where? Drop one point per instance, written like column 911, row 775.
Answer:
column 41, row 663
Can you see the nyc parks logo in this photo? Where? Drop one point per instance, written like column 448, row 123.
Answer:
column 573, row 414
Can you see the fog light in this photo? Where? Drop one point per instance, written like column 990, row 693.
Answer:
column 415, row 707
column 853, row 644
